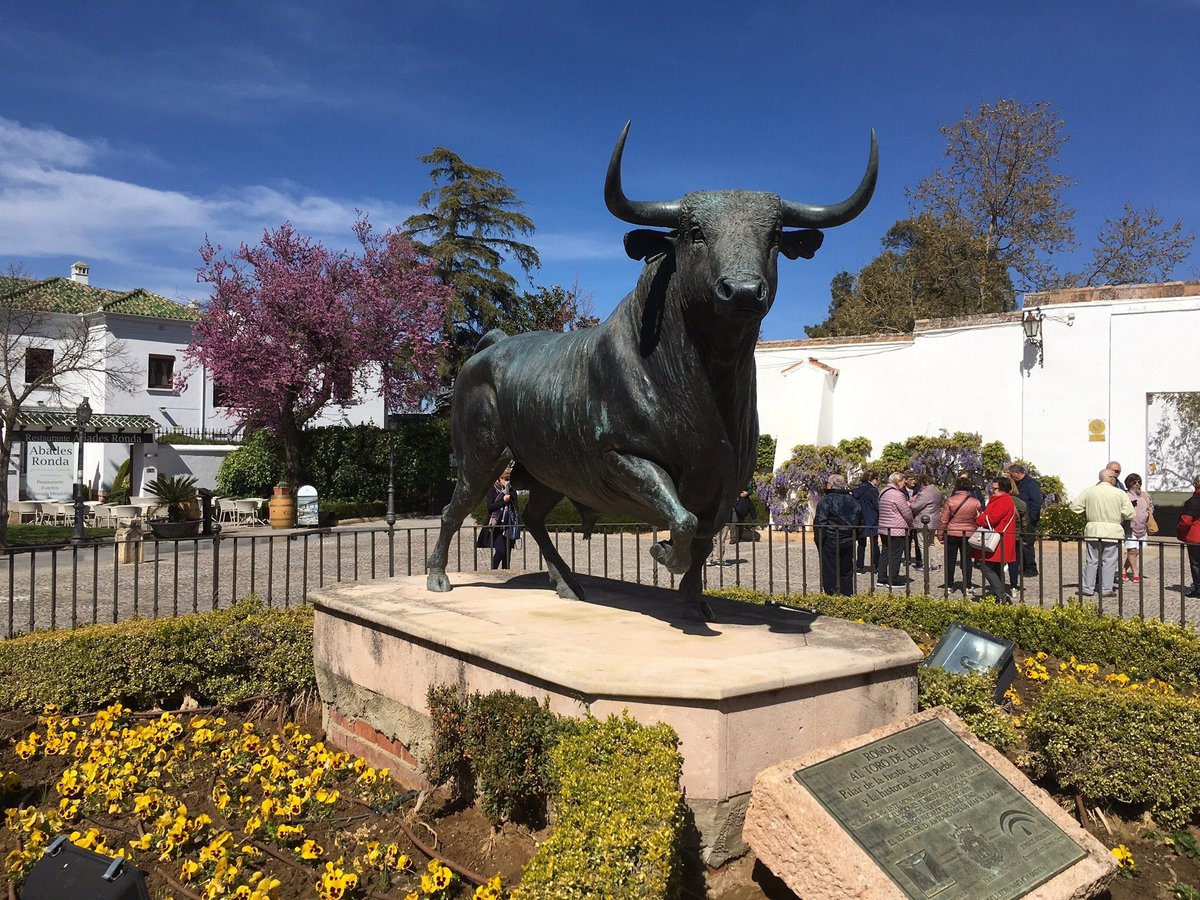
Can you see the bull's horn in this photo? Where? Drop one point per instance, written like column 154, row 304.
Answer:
column 802, row 215
column 664, row 214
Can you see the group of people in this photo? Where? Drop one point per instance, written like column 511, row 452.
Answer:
column 995, row 533
column 910, row 514
column 903, row 520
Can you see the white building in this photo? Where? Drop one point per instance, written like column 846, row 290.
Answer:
column 1105, row 377
column 151, row 333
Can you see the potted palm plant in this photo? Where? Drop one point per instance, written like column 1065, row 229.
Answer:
column 177, row 494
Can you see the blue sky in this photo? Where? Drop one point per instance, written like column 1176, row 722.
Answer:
column 130, row 131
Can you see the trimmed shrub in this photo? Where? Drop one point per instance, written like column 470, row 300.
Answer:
column 509, row 740
column 447, row 762
column 217, row 657
column 971, row 698
column 1117, row 745
column 620, row 815
column 252, row 469
column 765, row 461
column 121, row 484
column 1060, row 520
column 1142, row 648
column 496, row 745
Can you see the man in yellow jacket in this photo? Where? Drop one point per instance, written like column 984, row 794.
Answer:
column 1105, row 506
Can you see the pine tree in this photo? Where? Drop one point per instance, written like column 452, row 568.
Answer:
column 470, row 231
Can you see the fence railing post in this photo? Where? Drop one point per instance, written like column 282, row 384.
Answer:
column 216, row 565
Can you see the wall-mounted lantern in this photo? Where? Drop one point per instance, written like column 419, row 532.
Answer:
column 1031, row 324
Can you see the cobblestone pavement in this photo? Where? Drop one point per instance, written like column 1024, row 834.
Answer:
column 71, row 586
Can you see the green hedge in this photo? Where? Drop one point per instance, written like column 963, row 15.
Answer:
column 217, row 657
column 341, row 509
column 565, row 515
column 1059, row 521
column 349, row 464
column 971, row 698
column 620, row 815
column 1117, row 745
column 1141, row 648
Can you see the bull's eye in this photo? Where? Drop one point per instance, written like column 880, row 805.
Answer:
column 696, row 233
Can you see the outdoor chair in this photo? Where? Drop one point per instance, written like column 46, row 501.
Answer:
column 26, row 508
column 247, row 511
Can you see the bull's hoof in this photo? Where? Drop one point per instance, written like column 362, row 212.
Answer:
column 669, row 558
column 437, row 582
column 698, row 611
column 568, row 591
column 564, row 585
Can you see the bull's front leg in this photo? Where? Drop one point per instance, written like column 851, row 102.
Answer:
column 650, row 485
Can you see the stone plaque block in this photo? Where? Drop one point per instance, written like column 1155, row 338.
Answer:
column 919, row 809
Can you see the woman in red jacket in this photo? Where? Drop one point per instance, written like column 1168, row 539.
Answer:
column 1000, row 515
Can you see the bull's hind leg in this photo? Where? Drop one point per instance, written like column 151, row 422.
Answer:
column 541, row 501
column 474, row 479
column 651, row 486
column 692, row 583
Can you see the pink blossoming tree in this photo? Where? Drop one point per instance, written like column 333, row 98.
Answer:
column 292, row 327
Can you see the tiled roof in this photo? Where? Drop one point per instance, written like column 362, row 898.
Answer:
column 37, row 419
column 66, row 296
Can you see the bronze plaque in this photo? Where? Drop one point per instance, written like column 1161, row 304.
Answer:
column 938, row 819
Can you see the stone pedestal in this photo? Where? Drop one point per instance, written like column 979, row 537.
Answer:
column 129, row 542
column 757, row 686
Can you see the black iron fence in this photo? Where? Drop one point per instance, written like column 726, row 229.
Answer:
column 66, row 586
column 168, row 435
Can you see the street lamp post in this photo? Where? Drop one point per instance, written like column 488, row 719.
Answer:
column 389, row 425
column 390, row 518
column 83, row 413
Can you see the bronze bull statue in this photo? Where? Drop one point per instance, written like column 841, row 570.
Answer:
column 653, row 413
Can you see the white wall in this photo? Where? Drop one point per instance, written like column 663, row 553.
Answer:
column 1100, row 360
column 199, row 460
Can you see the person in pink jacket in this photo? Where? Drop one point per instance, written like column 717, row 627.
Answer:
column 895, row 524
column 957, row 523
column 1000, row 515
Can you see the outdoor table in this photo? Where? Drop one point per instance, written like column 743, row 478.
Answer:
column 125, row 513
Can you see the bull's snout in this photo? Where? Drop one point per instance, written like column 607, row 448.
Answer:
column 743, row 294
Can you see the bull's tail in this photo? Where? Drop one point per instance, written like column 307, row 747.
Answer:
column 492, row 337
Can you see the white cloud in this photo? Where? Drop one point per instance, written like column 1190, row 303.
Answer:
column 54, row 203
column 45, row 146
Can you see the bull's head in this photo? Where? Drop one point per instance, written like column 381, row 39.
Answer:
column 727, row 243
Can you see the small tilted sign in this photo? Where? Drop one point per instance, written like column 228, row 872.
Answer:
column 308, row 508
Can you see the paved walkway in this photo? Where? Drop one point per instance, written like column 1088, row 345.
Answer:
column 75, row 586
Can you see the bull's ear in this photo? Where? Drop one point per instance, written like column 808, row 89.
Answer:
column 641, row 243
column 801, row 243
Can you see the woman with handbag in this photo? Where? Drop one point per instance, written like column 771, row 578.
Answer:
column 995, row 537
column 503, row 525
column 1139, row 526
column 957, row 522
